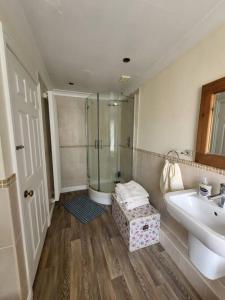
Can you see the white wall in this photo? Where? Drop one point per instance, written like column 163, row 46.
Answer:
column 5, row 158
column 21, row 39
column 19, row 33
column 169, row 103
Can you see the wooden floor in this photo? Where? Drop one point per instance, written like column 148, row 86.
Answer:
column 91, row 262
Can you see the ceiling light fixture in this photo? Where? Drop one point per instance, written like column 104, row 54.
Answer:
column 71, row 83
column 124, row 78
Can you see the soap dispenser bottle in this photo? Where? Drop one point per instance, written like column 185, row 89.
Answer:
column 204, row 188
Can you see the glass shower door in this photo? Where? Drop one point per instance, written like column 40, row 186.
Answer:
column 92, row 110
column 110, row 142
column 109, row 130
column 126, row 139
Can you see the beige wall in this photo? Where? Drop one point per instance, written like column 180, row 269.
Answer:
column 72, row 141
column 169, row 103
column 167, row 119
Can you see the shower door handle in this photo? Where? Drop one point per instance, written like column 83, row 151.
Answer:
column 96, row 144
column 128, row 142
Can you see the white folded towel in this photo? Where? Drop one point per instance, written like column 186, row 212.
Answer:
column 131, row 190
column 127, row 198
column 171, row 179
column 135, row 204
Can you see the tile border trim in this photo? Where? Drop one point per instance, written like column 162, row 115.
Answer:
column 5, row 183
column 183, row 161
column 86, row 146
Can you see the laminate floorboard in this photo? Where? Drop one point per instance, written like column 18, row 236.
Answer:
column 91, row 262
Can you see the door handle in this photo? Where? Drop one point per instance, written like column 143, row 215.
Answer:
column 28, row 193
column 128, row 142
column 19, row 147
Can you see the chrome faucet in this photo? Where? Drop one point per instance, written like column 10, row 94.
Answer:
column 220, row 196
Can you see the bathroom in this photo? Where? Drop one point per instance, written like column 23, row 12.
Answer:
column 109, row 113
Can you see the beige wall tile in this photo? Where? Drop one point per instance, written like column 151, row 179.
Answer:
column 73, row 166
column 192, row 176
column 15, row 210
column 6, row 238
column 147, row 173
column 108, row 164
column 9, row 284
column 21, row 268
column 71, row 118
column 72, row 140
column 126, row 163
column 147, row 170
column 179, row 255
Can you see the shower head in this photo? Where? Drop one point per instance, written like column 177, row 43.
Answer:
column 114, row 104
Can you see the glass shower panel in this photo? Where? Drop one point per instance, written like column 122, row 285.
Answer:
column 110, row 141
column 109, row 133
column 126, row 139
column 92, row 137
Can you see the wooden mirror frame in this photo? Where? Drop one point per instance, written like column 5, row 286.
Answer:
column 205, row 125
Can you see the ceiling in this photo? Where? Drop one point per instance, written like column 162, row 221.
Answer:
column 84, row 41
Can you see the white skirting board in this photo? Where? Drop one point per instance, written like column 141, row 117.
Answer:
column 73, row 188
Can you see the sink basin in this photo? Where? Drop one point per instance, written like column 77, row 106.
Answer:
column 205, row 223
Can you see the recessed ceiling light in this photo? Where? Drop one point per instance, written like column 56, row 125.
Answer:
column 126, row 60
column 71, row 83
column 124, row 78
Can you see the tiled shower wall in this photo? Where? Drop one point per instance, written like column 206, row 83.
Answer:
column 72, row 141
column 147, row 170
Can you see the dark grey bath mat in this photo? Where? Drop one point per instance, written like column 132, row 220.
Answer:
column 84, row 209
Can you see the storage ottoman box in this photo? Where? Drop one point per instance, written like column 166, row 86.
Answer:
column 139, row 227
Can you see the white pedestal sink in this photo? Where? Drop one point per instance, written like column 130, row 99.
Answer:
column 205, row 222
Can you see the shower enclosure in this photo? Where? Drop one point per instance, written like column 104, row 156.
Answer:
column 110, row 144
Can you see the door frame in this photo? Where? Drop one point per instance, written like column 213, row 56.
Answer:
column 7, row 44
column 54, row 132
column 53, row 116
column 43, row 153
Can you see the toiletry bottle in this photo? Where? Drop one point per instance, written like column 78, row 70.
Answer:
column 204, row 188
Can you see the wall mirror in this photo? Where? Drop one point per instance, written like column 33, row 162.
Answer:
column 210, row 147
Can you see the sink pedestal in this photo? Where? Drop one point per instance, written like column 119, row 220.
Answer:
column 206, row 261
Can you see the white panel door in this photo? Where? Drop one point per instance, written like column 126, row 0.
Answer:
column 25, row 106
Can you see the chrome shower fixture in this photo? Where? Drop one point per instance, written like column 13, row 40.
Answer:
column 114, row 104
